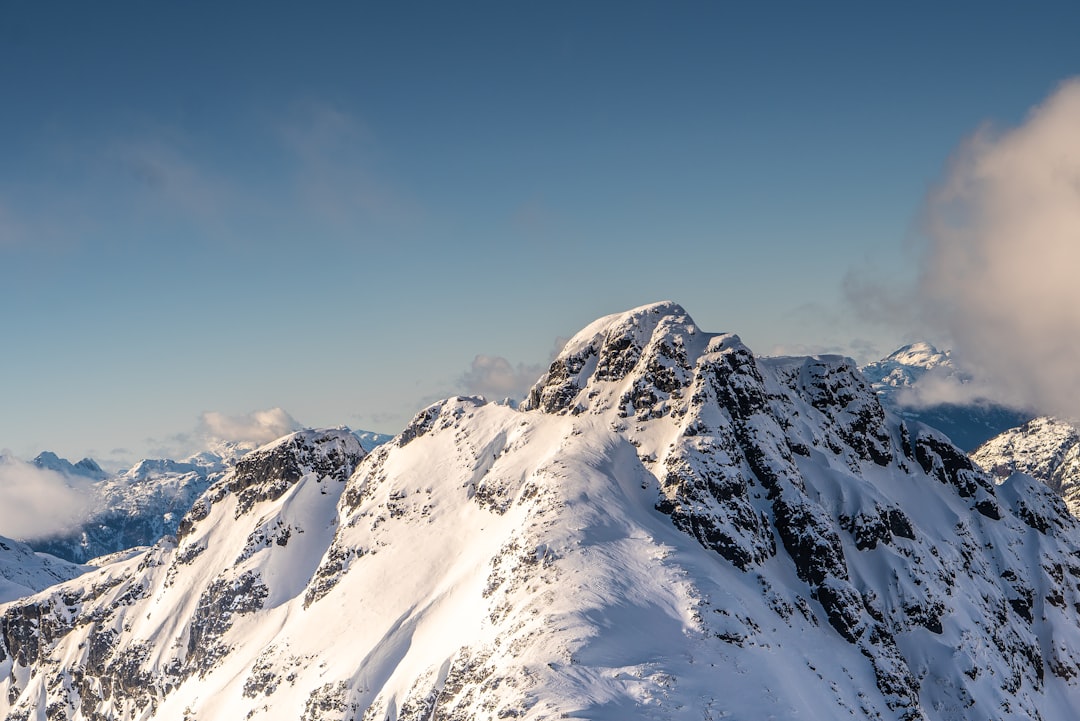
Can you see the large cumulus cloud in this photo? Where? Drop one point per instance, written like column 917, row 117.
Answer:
column 1001, row 271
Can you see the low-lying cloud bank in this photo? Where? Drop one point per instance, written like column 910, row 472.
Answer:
column 35, row 502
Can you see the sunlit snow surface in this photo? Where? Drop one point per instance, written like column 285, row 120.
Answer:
column 667, row 529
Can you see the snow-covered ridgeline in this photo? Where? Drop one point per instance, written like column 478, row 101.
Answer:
column 144, row 503
column 669, row 528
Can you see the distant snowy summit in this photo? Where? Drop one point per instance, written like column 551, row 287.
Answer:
column 86, row 468
column 371, row 440
column 921, row 383
column 669, row 527
column 906, row 365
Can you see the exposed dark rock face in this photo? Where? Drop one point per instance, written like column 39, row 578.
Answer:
column 437, row 415
column 713, row 482
column 561, row 387
column 219, row 603
column 266, row 474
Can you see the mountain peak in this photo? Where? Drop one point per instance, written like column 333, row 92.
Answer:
column 649, row 347
column 639, row 322
column 920, row 355
column 87, row 467
column 919, row 382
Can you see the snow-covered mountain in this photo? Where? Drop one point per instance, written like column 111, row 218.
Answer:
column 901, row 378
column 906, row 365
column 24, row 572
column 1045, row 448
column 668, row 528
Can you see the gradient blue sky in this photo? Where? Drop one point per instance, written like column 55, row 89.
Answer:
column 335, row 208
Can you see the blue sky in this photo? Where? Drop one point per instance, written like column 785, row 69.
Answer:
column 228, row 207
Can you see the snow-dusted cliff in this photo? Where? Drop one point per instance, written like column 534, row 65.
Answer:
column 668, row 528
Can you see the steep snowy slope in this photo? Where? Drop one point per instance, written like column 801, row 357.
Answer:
column 1044, row 448
column 669, row 528
column 24, row 572
column 902, row 381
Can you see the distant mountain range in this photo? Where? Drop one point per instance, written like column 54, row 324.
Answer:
column 669, row 527
column 139, row 506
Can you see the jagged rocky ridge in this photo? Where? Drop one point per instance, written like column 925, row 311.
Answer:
column 1044, row 448
column 669, row 528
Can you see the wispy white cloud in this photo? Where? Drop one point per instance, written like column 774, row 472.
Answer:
column 35, row 502
column 336, row 179
column 131, row 185
column 938, row 386
column 170, row 178
column 495, row 378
